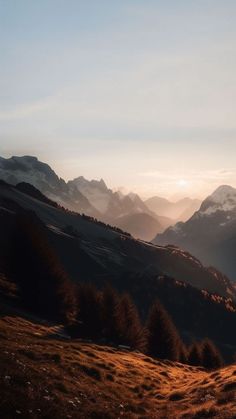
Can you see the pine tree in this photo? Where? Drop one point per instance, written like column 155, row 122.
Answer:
column 110, row 318
column 183, row 354
column 131, row 331
column 211, row 357
column 195, row 354
column 89, row 304
column 43, row 285
column 163, row 339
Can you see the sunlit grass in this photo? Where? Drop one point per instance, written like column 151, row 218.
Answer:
column 44, row 376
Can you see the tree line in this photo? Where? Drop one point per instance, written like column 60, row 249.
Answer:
column 90, row 313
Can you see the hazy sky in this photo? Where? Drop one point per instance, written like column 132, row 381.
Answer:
column 141, row 93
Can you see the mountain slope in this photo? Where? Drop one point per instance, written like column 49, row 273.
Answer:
column 110, row 204
column 43, row 374
column 112, row 250
column 140, row 225
column 95, row 191
column 91, row 251
column 210, row 234
column 125, row 211
column 29, row 169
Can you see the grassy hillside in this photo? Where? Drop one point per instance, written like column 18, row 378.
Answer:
column 44, row 375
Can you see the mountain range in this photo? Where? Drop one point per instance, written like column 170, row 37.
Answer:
column 201, row 300
column 142, row 219
column 210, row 234
column 108, row 249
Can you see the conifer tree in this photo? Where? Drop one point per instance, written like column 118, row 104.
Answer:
column 195, row 354
column 131, row 331
column 89, row 304
column 163, row 340
column 43, row 285
column 183, row 354
column 110, row 316
column 211, row 357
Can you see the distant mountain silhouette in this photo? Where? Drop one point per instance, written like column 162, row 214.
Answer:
column 139, row 225
column 181, row 210
column 93, row 197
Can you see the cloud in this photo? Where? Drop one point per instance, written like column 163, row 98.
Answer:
column 152, row 93
column 28, row 110
column 148, row 86
column 207, row 176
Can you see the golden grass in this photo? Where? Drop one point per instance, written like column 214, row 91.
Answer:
column 42, row 375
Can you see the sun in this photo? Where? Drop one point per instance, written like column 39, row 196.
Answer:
column 182, row 183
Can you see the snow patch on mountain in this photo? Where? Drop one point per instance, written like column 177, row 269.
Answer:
column 223, row 199
column 223, row 193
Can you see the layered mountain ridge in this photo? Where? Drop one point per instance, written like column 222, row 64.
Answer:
column 180, row 210
column 30, row 170
column 92, row 197
column 110, row 250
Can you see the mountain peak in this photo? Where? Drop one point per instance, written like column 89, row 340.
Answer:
column 223, row 193
column 82, row 181
column 103, row 183
column 26, row 157
column 132, row 195
column 27, row 161
column 222, row 199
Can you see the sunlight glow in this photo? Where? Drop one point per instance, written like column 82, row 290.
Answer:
column 182, row 183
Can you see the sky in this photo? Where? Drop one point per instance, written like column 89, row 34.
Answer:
column 141, row 93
